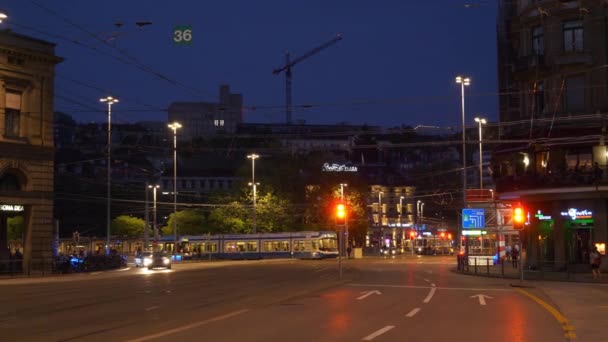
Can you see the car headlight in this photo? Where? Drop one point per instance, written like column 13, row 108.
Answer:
column 393, row 251
column 147, row 261
column 166, row 261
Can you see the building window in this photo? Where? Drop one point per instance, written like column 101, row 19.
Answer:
column 216, row 122
column 573, row 36
column 538, row 41
column 575, row 93
column 12, row 117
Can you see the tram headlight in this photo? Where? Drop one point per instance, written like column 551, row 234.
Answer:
column 147, row 261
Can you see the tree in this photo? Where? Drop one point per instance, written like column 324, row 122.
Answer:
column 189, row 222
column 274, row 214
column 231, row 218
column 130, row 226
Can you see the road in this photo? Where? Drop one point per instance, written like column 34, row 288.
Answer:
column 378, row 299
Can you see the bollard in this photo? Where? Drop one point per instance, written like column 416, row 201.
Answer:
column 502, row 268
column 475, row 265
column 488, row 266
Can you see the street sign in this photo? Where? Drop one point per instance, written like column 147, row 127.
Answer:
column 182, row 35
column 473, row 218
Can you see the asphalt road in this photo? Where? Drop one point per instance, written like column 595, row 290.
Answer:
column 392, row 299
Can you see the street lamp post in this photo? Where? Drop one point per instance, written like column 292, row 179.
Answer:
column 175, row 126
column 154, row 229
column 400, row 209
column 110, row 101
column 380, row 193
column 463, row 81
column 253, row 157
column 480, row 121
column 345, row 231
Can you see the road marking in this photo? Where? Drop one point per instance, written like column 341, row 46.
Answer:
column 322, row 269
column 569, row 331
column 427, row 287
column 188, row 327
column 123, row 269
column 433, row 284
column 412, row 313
column 430, row 295
column 152, row 308
column 368, row 293
column 482, row 298
column 94, row 273
column 429, row 272
column 428, row 281
column 378, row 333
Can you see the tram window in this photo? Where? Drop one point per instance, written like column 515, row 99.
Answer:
column 212, row 247
column 240, row 246
column 315, row 245
column 284, row 246
column 298, row 246
column 252, row 246
column 268, row 246
column 230, row 247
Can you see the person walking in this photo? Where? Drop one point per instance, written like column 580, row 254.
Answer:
column 514, row 256
column 595, row 260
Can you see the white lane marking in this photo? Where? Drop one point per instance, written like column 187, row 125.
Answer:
column 428, row 281
column 368, row 293
column 433, row 284
column 430, row 295
column 482, row 298
column 322, row 269
column 152, row 308
column 188, row 327
column 429, row 272
column 94, row 273
column 378, row 333
column 412, row 313
column 427, row 287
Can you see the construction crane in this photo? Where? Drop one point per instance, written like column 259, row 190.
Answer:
column 290, row 63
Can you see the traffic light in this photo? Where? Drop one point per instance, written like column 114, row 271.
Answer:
column 519, row 217
column 442, row 236
column 340, row 214
column 412, row 235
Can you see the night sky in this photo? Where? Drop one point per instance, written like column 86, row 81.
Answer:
column 394, row 66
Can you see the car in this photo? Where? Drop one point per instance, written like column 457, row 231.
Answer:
column 158, row 259
column 139, row 258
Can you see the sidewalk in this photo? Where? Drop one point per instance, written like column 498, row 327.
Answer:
column 506, row 270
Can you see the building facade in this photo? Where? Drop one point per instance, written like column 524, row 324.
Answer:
column 207, row 119
column 553, row 106
column 393, row 211
column 26, row 151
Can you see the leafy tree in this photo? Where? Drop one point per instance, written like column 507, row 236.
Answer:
column 189, row 222
column 15, row 228
column 130, row 226
column 274, row 214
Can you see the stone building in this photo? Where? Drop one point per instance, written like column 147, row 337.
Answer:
column 26, row 151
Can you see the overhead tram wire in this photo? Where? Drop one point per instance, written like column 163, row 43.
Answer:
column 134, row 61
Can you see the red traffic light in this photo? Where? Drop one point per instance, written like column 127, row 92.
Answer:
column 519, row 217
column 340, row 214
column 442, row 235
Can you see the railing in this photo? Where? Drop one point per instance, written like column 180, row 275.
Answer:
column 541, row 270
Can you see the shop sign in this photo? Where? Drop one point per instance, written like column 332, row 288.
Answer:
column 576, row 214
column 539, row 215
column 406, row 225
column 327, row 167
column 10, row 207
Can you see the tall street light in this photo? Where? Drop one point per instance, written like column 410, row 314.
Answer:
column 253, row 157
column 175, row 126
column 343, row 239
column 380, row 218
column 154, row 229
column 110, row 101
column 342, row 185
column 463, row 81
column 400, row 209
column 480, row 121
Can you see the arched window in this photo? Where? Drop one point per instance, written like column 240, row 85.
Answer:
column 9, row 182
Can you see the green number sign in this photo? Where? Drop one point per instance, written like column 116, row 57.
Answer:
column 182, row 35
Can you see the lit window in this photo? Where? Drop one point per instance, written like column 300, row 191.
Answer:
column 221, row 122
column 216, row 122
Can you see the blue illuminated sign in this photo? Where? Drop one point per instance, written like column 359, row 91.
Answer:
column 473, row 218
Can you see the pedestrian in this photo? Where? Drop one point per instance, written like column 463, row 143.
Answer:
column 348, row 250
column 514, row 256
column 595, row 260
column 508, row 251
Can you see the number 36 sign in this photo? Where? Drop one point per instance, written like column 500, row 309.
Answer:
column 182, row 35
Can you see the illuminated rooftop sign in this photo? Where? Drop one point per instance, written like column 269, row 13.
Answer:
column 539, row 215
column 327, row 167
column 577, row 214
column 10, row 207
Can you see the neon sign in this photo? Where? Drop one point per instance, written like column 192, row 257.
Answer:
column 338, row 168
column 576, row 214
column 539, row 215
column 10, row 207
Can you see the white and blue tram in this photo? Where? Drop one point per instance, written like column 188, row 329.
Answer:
column 299, row 245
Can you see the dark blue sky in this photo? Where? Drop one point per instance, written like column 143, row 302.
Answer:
column 399, row 57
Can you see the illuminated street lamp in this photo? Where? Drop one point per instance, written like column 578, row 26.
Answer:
column 110, row 101
column 174, row 126
column 3, row 15
column 400, row 209
column 155, row 231
column 463, row 81
column 480, row 121
column 253, row 157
